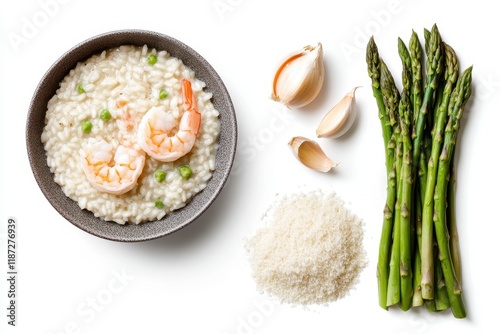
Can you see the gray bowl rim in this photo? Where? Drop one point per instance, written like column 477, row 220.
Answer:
column 69, row 209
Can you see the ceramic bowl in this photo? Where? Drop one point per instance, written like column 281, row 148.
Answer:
column 86, row 220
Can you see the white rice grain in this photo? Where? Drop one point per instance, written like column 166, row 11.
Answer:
column 310, row 250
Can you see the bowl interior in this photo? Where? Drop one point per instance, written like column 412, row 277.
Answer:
column 84, row 219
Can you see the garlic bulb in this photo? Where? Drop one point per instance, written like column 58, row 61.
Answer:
column 340, row 118
column 299, row 78
column 310, row 154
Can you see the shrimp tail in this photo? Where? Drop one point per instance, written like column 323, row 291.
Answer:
column 191, row 106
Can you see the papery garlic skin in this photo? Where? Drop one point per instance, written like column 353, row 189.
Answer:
column 310, row 154
column 340, row 118
column 300, row 77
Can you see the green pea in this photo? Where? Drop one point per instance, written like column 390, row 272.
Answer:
column 159, row 204
column 86, row 126
column 152, row 59
column 80, row 88
column 185, row 171
column 105, row 115
column 160, row 175
column 163, row 94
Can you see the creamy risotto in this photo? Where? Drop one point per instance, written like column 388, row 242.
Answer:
column 131, row 135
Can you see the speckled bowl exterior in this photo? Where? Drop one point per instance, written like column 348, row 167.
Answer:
column 86, row 220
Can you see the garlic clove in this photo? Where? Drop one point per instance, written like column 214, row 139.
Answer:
column 310, row 154
column 340, row 118
column 299, row 79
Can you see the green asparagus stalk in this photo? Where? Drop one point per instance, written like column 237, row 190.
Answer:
column 441, row 298
column 451, row 221
column 430, row 304
column 434, row 67
column 422, row 177
column 407, row 75
column 406, row 206
column 451, row 75
column 420, row 173
column 374, row 64
column 425, row 150
column 459, row 97
column 417, row 299
column 438, row 97
column 416, row 71
column 405, row 118
column 394, row 283
column 390, row 95
column 419, row 260
column 374, row 72
column 427, row 40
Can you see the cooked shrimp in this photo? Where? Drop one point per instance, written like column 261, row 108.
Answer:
column 156, row 134
column 114, row 174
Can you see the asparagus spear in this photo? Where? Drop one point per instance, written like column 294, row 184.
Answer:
column 406, row 206
column 421, row 171
column 451, row 221
column 434, row 67
column 407, row 75
column 390, row 94
column 451, row 75
column 374, row 64
column 417, row 299
column 406, row 179
column 427, row 39
column 425, row 150
column 416, row 71
column 441, row 297
column 459, row 97
column 391, row 98
column 394, row 283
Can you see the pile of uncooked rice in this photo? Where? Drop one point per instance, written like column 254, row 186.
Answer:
column 122, row 81
column 309, row 251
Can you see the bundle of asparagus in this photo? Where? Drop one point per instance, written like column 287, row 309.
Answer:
column 419, row 262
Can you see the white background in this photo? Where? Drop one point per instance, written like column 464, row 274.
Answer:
column 198, row 279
